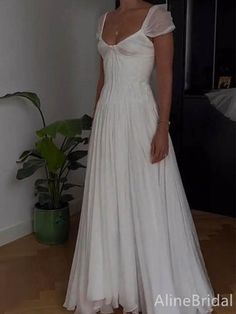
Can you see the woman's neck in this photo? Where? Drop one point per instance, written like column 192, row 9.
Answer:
column 129, row 4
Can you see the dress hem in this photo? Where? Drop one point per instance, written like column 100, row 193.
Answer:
column 134, row 311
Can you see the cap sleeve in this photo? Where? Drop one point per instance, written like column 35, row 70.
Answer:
column 159, row 21
column 99, row 26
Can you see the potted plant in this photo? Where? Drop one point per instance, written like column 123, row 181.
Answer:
column 56, row 151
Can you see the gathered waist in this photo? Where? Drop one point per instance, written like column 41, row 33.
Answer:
column 124, row 85
column 136, row 92
column 125, row 88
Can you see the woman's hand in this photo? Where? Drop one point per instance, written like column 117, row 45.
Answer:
column 159, row 144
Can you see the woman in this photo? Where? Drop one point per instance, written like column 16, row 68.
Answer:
column 137, row 242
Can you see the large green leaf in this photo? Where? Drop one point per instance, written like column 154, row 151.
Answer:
column 45, row 199
column 29, row 168
column 40, row 182
column 72, row 141
column 86, row 140
column 74, row 165
column 26, row 154
column 66, row 198
column 78, row 154
column 41, row 188
column 86, row 121
column 68, row 128
column 33, row 97
column 41, row 185
column 68, row 186
column 53, row 156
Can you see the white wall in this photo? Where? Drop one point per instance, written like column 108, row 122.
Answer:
column 48, row 47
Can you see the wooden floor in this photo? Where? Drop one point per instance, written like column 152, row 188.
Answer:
column 33, row 277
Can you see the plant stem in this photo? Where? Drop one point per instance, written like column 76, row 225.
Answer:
column 63, row 183
column 63, row 167
column 63, row 143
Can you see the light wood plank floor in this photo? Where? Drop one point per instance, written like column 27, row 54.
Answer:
column 33, row 277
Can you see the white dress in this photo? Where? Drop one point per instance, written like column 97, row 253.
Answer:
column 136, row 241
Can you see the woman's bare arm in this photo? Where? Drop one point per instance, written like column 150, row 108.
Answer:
column 100, row 84
column 164, row 51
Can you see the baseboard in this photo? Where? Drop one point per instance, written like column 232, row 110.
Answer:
column 24, row 228
column 15, row 232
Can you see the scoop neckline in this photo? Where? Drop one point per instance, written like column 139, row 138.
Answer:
column 131, row 35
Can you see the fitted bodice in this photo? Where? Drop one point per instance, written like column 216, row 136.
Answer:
column 132, row 59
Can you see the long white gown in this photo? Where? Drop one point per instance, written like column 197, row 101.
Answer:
column 137, row 242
